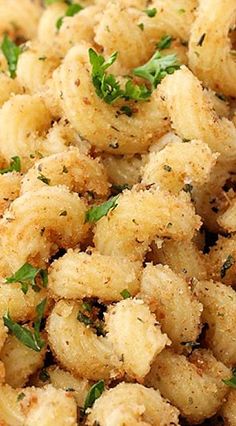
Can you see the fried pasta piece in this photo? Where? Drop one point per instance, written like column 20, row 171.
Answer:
column 183, row 96
column 79, row 172
column 78, row 275
column 228, row 410
column 101, row 125
column 140, row 217
column 20, row 361
column 124, row 170
column 194, row 385
column 173, row 303
column 9, row 87
column 220, row 261
column 219, row 310
column 211, row 55
column 77, row 347
column 9, row 189
column 132, row 404
column 36, row 225
column 135, row 335
column 179, row 164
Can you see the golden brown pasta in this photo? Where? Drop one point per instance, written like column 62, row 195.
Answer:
column 229, row 409
column 9, row 189
column 223, row 253
column 173, row 303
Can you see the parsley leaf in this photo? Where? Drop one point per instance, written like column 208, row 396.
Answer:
column 43, row 178
column 20, row 396
column 232, row 381
column 72, row 10
column 11, row 52
column 97, row 212
column 164, row 42
column 125, row 294
column 151, row 12
column 157, row 68
column 94, row 393
column 15, row 166
column 226, row 265
column 26, row 276
column 31, row 339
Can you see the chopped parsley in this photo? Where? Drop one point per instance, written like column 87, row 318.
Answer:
column 94, row 393
column 164, row 42
column 15, row 166
column 20, row 396
column 72, row 10
column 31, row 339
column 201, row 40
column 125, row 294
column 11, row 52
column 167, row 168
column 108, row 87
column 232, row 381
column 151, row 12
column 43, row 178
column 226, row 265
column 26, row 276
column 97, row 212
column 157, row 68
column 92, row 316
column 141, row 26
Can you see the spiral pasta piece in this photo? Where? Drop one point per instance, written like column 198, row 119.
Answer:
column 194, row 385
column 23, row 119
column 183, row 96
column 77, row 348
column 53, row 217
column 210, row 55
column 9, row 189
column 173, row 303
column 78, row 275
column 79, row 172
column 132, row 404
column 128, row 230
column 178, row 164
column 131, row 321
column 101, row 125
column 35, row 66
column 9, row 86
column 20, row 362
column 19, row 19
column 219, row 310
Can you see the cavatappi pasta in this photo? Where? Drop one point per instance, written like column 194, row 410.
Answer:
column 117, row 212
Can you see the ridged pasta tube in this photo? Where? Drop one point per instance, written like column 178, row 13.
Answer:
column 101, row 125
column 79, row 172
column 77, row 348
column 140, row 217
column 219, row 310
column 184, row 97
column 39, row 222
column 173, row 303
column 210, row 56
column 135, row 335
column 179, row 163
column 132, row 404
column 194, row 385
column 78, row 275
column 23, row 119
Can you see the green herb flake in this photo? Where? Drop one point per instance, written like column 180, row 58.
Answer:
column 164, row 42
column 15, row 166
column 125, row 109
column 44, row 375
column 157, row 68
column 20, row 396
column 11, row 52
column 31, row 339
column 97, row 212
column 226, row 265
column 125, row 294
column 188, row 188
column 84, row 319
column 151, row 12
column 64, row 213
column 201, row 40
column 232, row 381
column 167, row 168
column 141, row 26
column 180, row 11
column 42, row 58
column 72, row 10
column 94, row 393
column 26, row 276
column 44, row 179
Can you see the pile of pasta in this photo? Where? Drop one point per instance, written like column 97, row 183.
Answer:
column 118, row 212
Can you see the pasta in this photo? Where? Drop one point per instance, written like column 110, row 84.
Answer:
column 117, row 212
